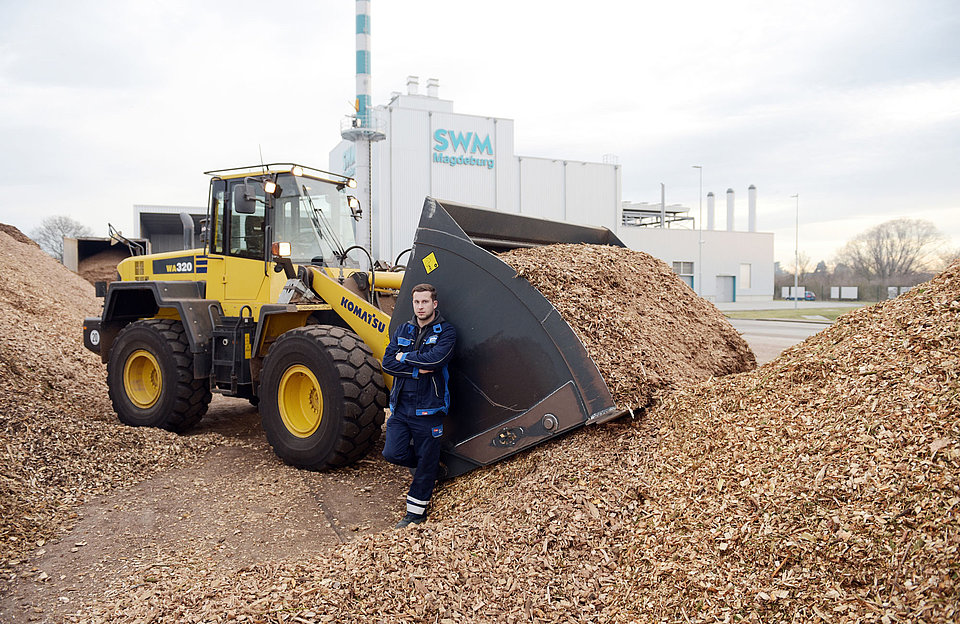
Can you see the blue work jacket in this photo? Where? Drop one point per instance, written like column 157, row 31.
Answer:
column 428, row 348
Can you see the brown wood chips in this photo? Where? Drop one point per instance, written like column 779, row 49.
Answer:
column 822, row 486
column 60, row 440
column 645, row 329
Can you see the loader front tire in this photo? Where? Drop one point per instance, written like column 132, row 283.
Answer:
column 150, row 377
column 321, row 397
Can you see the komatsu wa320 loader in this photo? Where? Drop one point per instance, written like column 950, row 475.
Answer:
column 272, row 308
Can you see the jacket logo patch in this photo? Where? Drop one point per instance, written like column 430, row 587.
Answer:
column 403, row 342
column 432, row 339
column 437, row 431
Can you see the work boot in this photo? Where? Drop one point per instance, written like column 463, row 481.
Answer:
column 410, row 518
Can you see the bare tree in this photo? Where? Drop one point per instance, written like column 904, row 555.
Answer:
column 49, row 235
column 801, row 269
column 900, row 248
column 948, row 257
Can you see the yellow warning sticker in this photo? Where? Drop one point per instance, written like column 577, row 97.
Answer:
column 247, row 349
column 430, row 262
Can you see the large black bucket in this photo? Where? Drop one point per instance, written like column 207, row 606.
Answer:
column 519, row 375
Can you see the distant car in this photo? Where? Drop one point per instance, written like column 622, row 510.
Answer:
column 807, row 296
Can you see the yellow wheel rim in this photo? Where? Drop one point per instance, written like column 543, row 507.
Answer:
column 142, row 379
column 300, row 400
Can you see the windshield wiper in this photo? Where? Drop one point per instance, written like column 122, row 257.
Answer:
column 322, row 225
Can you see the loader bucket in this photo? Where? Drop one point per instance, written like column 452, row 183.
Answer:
column 519, row 375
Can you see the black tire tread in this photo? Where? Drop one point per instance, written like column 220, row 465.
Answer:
column 364, row 392
column 193, row 395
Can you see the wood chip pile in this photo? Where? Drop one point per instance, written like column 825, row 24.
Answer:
column 822, row 486
column 17, row 235
column 644, row 327
column 60, row 440
column 102, row 267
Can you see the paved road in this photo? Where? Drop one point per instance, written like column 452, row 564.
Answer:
column 769, row 338
column 780, row 304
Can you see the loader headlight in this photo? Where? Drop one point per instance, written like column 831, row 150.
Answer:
column 297, row 171
column 269, row 187
column 281, row 249
column 351, row 183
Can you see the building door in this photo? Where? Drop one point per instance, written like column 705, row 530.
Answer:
column 725, row 288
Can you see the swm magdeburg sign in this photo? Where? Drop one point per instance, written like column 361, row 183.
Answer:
column 462, row 149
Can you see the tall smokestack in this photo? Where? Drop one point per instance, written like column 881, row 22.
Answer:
column 752, row 209
column 711, row 211
column 729, row 210
column 362, row 129
column 363, row 60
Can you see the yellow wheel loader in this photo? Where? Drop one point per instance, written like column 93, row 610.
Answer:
column 276, row 308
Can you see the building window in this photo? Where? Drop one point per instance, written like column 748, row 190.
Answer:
column 745, row 276
column 685, row 271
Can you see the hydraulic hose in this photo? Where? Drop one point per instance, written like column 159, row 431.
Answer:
column 373, row 292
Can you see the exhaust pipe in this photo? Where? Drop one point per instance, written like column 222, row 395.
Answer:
column 187, row 222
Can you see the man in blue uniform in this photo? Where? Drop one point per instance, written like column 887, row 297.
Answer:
column 417, row 357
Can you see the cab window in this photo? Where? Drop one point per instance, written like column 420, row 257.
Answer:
column 216, row 221
column 246, row 230
column 233, row 233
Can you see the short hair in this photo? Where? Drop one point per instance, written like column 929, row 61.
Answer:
column 425, row 288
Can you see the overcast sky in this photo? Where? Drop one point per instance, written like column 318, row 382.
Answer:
column 853, row 105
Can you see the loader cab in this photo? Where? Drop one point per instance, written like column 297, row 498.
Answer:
column 310, row 209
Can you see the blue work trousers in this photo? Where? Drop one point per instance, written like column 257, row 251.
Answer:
column 424, row 455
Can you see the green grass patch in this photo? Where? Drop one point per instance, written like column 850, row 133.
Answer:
column 800, row 314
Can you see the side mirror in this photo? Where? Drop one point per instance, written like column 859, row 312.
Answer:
column 244, row 199
column 355, row 211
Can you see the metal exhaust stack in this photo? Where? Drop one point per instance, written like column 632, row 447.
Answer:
column 520, row 375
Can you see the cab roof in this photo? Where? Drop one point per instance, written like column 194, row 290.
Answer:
column 274, row 168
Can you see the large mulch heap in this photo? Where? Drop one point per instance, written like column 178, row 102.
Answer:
column 102, row 267
column 820, row 487
column 60, row 441
column 17, row 235
column 644, row 327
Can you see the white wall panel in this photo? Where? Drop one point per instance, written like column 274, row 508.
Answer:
column 591, row 193
column 508, row 168
column 541, row 188
column 409, row 174
column 343, row 159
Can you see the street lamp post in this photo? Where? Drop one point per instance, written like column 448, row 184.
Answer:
column 796, row 257
column 699, row 289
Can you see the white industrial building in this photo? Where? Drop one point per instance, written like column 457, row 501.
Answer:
column 430, row 150
column 418, row 146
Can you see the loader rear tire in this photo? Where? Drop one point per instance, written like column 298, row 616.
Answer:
column 321, row 397
column 150, row 377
